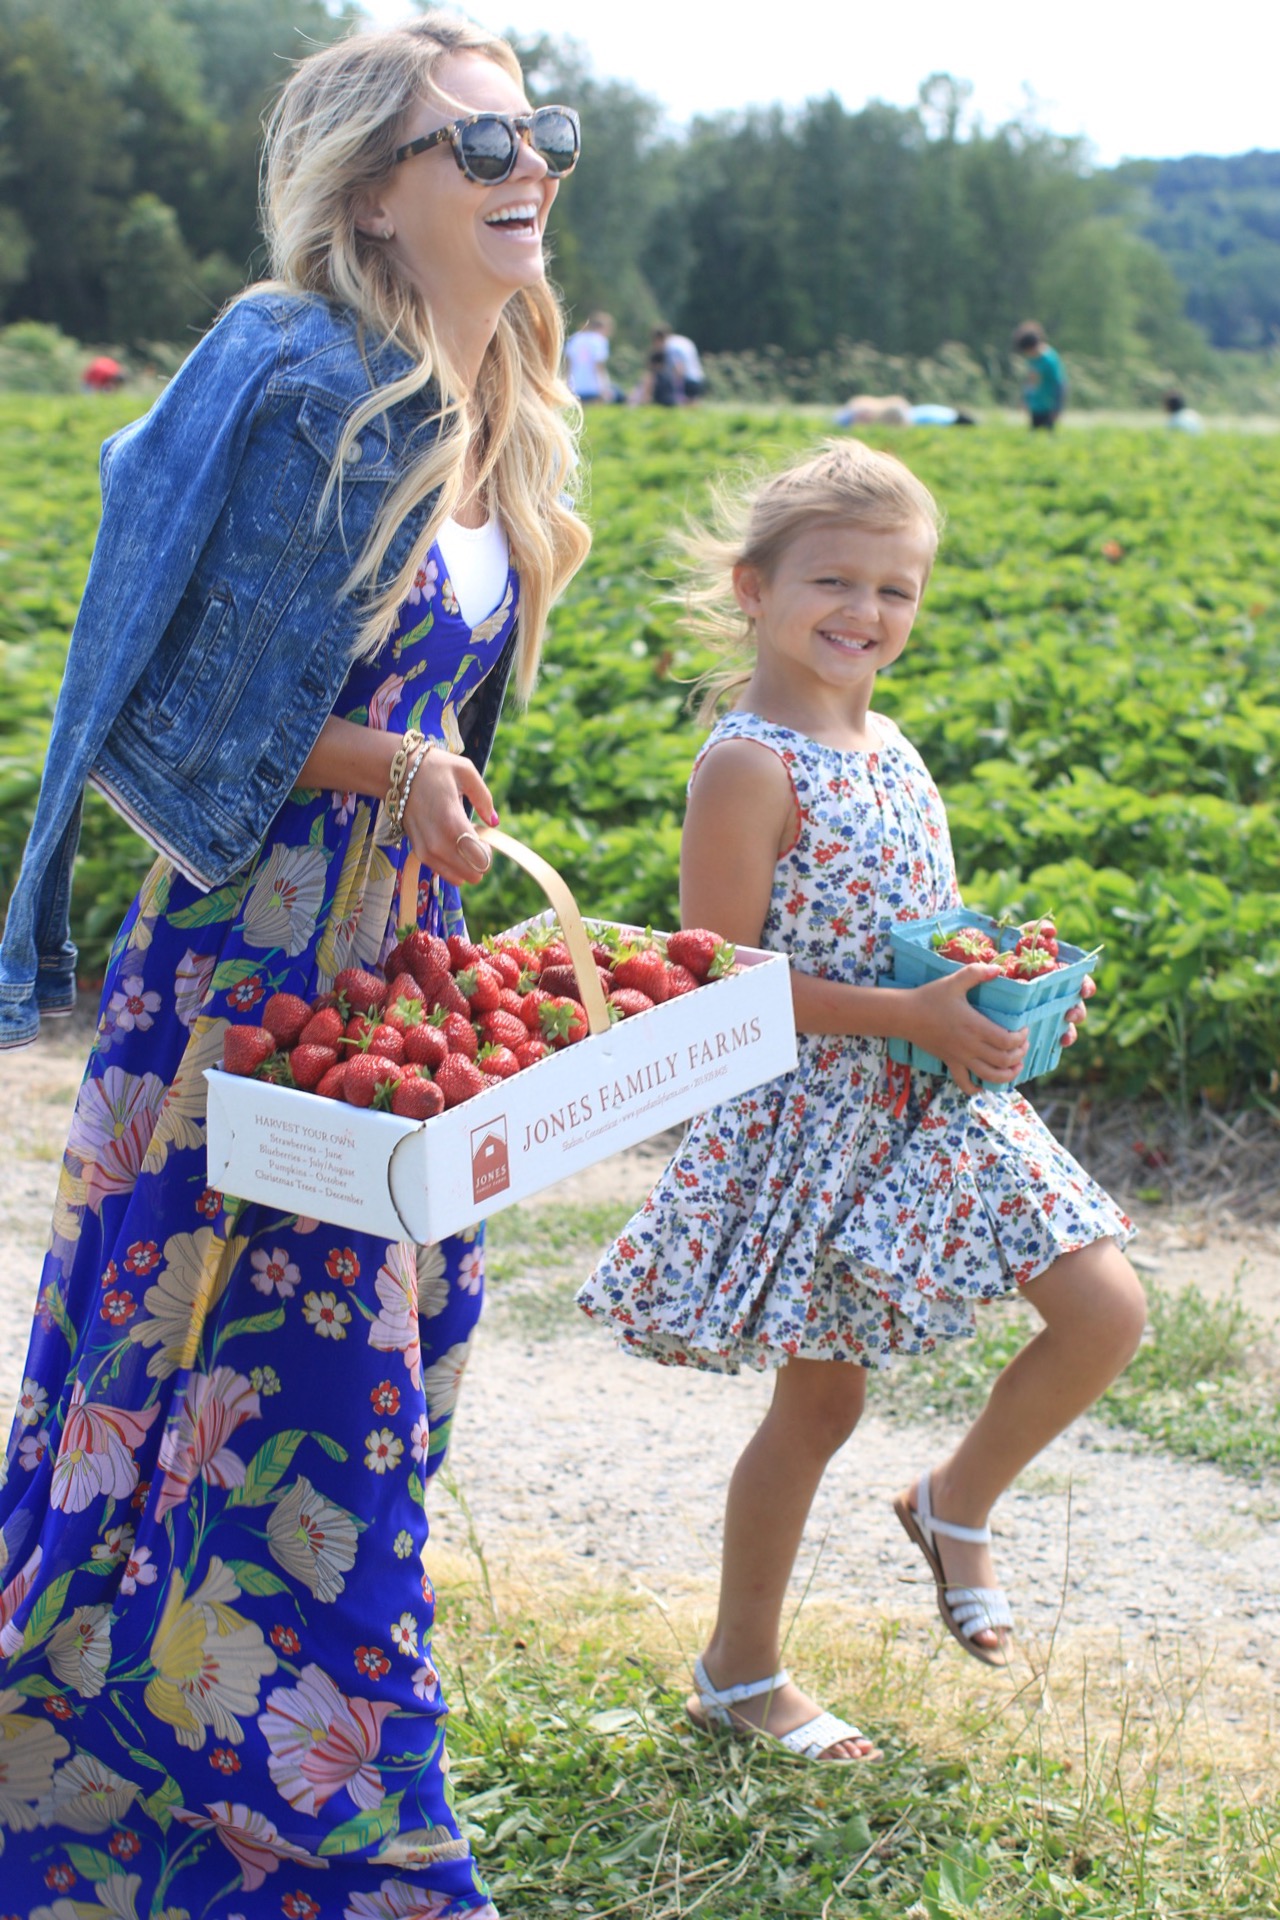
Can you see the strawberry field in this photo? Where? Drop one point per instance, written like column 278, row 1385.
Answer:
column 1094, row 681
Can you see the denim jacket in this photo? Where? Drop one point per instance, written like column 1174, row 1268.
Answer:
column 214, row 636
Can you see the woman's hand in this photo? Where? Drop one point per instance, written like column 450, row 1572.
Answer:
column 436, row 824
column 939, row 1018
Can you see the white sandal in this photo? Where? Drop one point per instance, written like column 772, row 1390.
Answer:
column 810, row 1741
column 965, row 1611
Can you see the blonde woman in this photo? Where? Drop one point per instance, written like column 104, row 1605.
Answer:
column 335, row 537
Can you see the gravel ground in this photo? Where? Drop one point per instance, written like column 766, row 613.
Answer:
column 567, row 1451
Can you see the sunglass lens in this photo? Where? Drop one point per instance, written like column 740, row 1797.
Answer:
column 487, row 148
column 555, row 138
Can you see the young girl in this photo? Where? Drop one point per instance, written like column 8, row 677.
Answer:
column 851, row 1210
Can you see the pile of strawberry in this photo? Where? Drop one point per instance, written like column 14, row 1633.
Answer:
column 1036, row 952
column 446, row 1019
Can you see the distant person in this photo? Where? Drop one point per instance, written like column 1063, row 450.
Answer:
column 586, row 354
column 102, row 375
column 1046, row 390
column 891, row 410
column 657, row 385
column 691, row 381
column 1181, row 417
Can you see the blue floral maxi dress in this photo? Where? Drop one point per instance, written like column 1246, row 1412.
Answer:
column 216, row 1688
column 852, row 1209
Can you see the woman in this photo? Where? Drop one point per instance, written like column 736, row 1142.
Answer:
column 216, row 1686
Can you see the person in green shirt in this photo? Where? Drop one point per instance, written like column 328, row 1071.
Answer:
column 1046, row 388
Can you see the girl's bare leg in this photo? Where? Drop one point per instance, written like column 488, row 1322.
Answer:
column 816, row 1405
column 1093, row 1309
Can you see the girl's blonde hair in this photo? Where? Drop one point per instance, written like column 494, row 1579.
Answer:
column 331, row 140
column 753, row 524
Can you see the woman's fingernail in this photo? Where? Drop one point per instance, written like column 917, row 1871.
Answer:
column 493, row 819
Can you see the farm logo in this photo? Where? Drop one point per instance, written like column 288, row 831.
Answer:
column 490, row 1161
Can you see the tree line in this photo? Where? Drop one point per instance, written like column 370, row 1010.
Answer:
column 129, row 134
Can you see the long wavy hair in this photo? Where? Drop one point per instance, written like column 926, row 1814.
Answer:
column 754, row 523
column 330, row 141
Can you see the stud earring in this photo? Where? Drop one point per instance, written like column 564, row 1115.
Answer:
column 388, row 233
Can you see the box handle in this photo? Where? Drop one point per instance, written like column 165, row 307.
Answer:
column 562, row 903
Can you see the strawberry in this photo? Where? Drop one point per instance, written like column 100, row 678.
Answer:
column 369, row 1081
column 562, row 1020
column 642, row 968
column 530, row 1051
column 276, row 1071
column 1029, row 964
column 323, row 1029
column 309, row 1064
column 449, row 996
column 706, row 955
column 624, row 1002
column 481, row 985
column 425, row 1046
column 460, row 1035
column 417, row 1099
column 330, row 1087
column 505, row 965
column 367, row 1034
column 965, row 945
column 1038, row 933
column 680, row 981
column 362, row 991
column 403, row 987
column 459, row 1079
column 509, row 1001
column 499, row 1063
column 404, row 1013
column 531, row 1008
column 421, row 953
column 285, row 1015
column 552, row 953
column 564, row 980
column 602, row 955
column 502, row 1029
column 244, row 1049
column 462, row 953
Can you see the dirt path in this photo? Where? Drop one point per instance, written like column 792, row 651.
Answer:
column 568, row 1452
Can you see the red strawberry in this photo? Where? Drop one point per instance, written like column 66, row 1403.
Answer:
column 509, row 1001
column 285, row 1015
column 417, row 1099
column 505, row 965
column 309, row 1064
column 565, row 980
column 706, row 955
column 462, row 952
column 642, row 968
column 330, row 1087
column 530, row 1051
column 369, row 1081
column 1029, row 964
column 425, row 1046
column 498, row 1062
column 367, row 1034
column 965, row 945
column 626, row 1002
column 460, row 1035
column 1038, row 933
column 679, row 981
column 420, row 953
column 481, row 985
column 602, row 955
column 503, row 1029
column 448, row 995
column 459, row 1079
column 563, row 1021
column 553, row 953
column 403, row 987
column 323, row 1029
column 362, row 991
column 276, row 1071
column 245, row 1048
column 531, row 1008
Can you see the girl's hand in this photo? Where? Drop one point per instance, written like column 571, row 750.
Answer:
column 941, row 1020
column 436, row 823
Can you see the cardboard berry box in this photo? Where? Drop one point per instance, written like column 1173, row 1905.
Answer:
column 420, row 1180
column 1040, row 1005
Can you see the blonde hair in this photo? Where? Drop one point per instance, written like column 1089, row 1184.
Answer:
column 753, row 525
column 330, row 140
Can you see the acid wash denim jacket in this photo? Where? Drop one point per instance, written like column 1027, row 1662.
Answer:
column 214, row 636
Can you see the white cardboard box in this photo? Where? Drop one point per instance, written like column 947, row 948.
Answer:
column 420, row 1180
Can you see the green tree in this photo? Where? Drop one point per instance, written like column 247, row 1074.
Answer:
column 151, row 287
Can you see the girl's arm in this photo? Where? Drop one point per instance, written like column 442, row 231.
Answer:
column 742, row 817
column 353, row 759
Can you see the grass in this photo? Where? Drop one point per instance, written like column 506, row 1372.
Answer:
column 586, row 1793
column 1205, row 1384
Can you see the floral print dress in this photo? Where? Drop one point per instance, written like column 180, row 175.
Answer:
column 852, row 1209
column 217, row 1696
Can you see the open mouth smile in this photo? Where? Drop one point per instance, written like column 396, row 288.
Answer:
column 520, row 220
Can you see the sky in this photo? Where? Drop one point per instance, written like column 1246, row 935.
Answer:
column 1122, row 74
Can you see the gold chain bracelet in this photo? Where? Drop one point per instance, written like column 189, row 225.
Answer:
column 413, row 749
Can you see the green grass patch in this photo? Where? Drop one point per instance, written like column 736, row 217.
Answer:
column 1201, row 1387
column 587, row 1793
column 536, row 1258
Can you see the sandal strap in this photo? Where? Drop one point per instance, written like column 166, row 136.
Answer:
column 974, row 1609
column 716, row 1701
column 930, row 1524
column 816, row 1735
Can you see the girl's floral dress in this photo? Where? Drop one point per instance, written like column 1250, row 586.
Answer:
column 852, row 1209
column 217, row 1695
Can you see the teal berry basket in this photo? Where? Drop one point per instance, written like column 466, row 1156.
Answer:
column 1039, row 1005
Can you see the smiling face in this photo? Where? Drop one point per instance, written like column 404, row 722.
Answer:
column 467, row 248
column 836, row 608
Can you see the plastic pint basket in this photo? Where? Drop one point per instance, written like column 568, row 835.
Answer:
column 1040, row 1005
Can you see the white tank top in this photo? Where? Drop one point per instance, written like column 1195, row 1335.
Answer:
column 476, row 560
